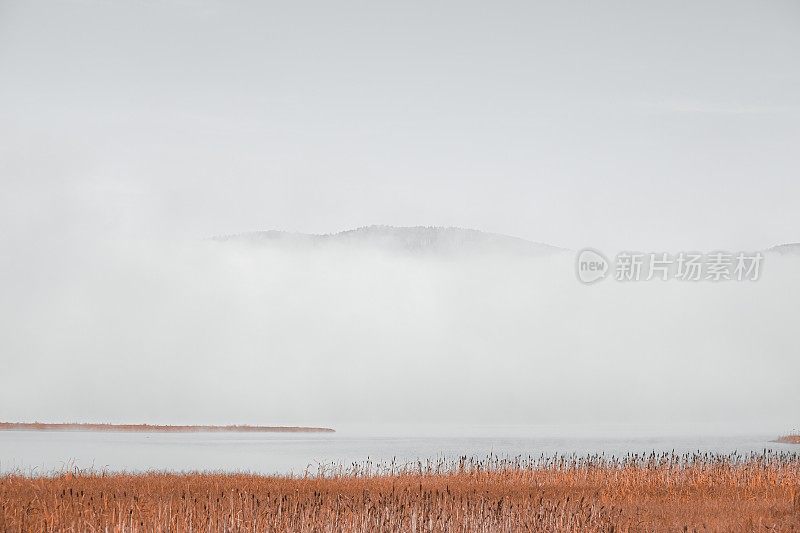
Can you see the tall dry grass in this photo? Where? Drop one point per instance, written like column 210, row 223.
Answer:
column 636, row 493
column 791, row 438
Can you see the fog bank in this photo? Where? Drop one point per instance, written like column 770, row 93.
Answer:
column 245, row 332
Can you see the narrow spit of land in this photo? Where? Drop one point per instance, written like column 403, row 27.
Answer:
column 789, row 439
column 39, row 426
column 656, row 493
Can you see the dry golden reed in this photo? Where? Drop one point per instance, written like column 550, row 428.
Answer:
column 699, row 492
column 792, row 438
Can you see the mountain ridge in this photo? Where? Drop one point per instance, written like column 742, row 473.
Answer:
column 447, row 240
column 789, row 248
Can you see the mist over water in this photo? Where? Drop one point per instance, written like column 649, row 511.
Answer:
column 44, row 452
column 242, row 332
column 123, row 152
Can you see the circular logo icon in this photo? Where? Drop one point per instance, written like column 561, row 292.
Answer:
column 591, row 266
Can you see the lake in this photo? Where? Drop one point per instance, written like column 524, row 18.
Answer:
column 44, row 452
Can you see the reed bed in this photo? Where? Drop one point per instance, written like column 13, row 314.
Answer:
column 656, row 492
column 792, row 438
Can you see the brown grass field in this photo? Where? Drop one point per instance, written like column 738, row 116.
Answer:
column 590, row 494
column 74, row 426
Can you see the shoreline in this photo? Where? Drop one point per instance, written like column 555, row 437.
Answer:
column 156, row 428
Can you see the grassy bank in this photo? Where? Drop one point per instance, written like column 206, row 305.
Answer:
column 655, row 493
column 789, row 439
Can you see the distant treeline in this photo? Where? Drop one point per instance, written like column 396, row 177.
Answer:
column 70, row 426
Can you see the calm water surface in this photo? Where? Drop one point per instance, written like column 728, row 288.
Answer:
column 43, row 452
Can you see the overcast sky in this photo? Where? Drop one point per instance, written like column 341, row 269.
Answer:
column 131, row 130
column 649, row 125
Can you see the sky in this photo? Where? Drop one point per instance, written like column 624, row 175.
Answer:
column 131, row 132
column 618, row 125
